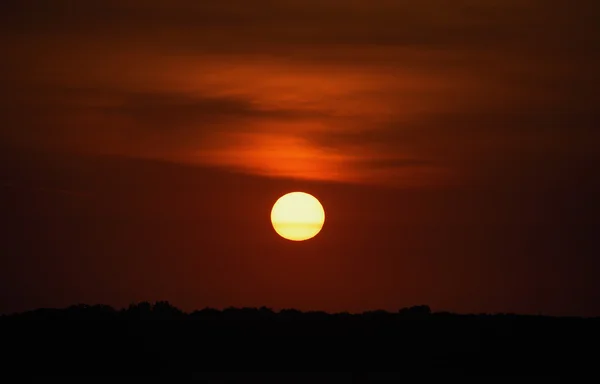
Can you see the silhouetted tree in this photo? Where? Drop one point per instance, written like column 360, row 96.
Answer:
column 418, row 310
column 260, row 339
column 164, row 310
column 142, row 310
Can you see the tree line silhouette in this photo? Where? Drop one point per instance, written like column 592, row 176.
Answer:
column 149, row 339
column 163, row 310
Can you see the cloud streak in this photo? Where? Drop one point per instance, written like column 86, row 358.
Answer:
column 402, row 93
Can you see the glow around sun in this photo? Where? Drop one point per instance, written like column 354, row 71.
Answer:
column 297, row 216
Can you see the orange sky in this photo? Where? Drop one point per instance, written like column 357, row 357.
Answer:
column 344, row 83
column 484, row 112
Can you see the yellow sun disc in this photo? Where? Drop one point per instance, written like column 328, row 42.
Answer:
column 297, row 216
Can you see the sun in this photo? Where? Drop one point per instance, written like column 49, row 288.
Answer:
column 297, row 216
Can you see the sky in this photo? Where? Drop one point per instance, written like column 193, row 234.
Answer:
column 453, row 145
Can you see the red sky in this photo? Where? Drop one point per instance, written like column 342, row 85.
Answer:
column 453, row 145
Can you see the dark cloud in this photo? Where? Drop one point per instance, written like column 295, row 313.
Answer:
column 459, row 83
column 394, row 163
column 173, row 111
column 433, row 23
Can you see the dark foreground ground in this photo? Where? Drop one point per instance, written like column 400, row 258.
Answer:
column 159, row 340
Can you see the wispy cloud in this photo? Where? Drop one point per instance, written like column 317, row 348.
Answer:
column 340, row 90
